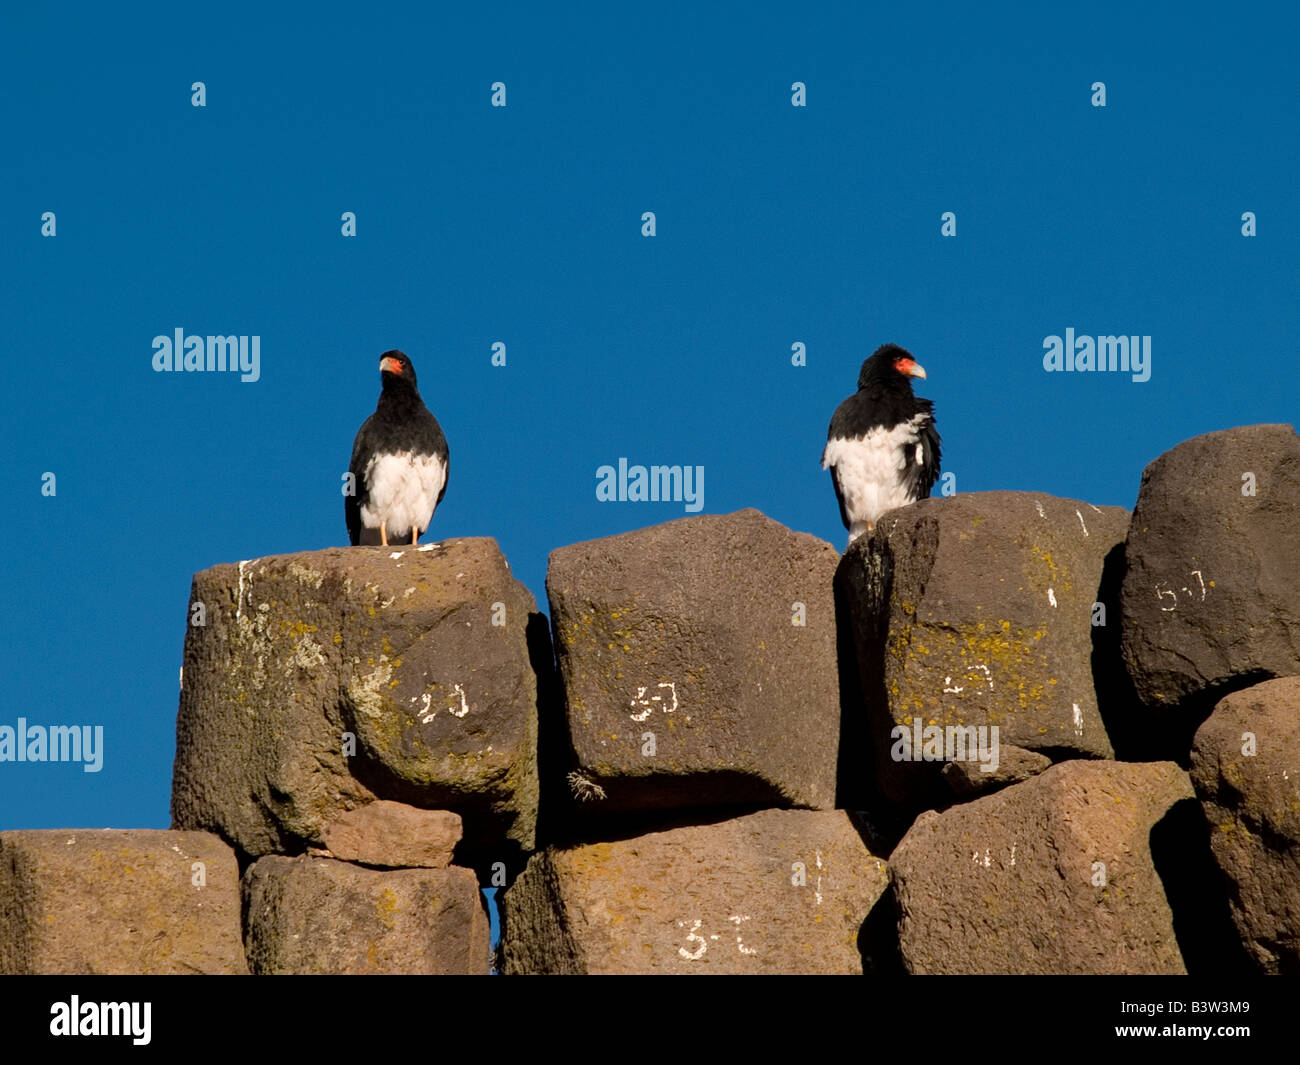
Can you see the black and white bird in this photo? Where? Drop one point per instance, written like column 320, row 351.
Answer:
column 882, row 447
column 399, row 462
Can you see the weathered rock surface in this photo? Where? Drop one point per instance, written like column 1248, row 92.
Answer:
column 1211, row 594
column 715, row 634
column 1013, row 882
column 977, row 610
column 780, row 891
column 395, row 835
column 317, row 915
column 420, row 654
column 1252, row 803
column 115, row 901
column 967, row 779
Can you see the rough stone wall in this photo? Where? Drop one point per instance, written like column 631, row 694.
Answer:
column 1004, row 733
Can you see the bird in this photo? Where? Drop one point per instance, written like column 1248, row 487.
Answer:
column 400, row 462
column 882, row 447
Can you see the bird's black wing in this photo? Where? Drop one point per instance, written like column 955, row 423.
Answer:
column 446, row 459
column 922, row 469
column 360, row 490
column 835, row 481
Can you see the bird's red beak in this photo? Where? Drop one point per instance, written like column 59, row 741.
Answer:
column 910, row 367
column 390, row 366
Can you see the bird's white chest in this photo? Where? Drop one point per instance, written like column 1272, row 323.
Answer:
column 403, row 490
column 869, row 469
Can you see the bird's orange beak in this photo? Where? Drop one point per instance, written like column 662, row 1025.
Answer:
column 910, row 367
column 390, row 366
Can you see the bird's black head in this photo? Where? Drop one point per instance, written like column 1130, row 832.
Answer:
column 890, row 367
column 394, row 366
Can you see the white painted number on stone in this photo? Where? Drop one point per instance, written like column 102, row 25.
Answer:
column 1191, row 593
column 691, row 936
column 987, row 860
column 647, row 702
column 737, row 919
column 464, row 706
column 979, row 673
column 427, row 713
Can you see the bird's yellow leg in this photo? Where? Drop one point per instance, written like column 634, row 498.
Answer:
column 383, row 533
column 415, row 534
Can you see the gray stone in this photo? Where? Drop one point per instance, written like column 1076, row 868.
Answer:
column 1252, row 804
column 690, row 631
column 1211, row 594
column 398, row 648
column 394, row 835
column 319, row 916
column 967, row 779
column 779, row 891
column 116, row 902
column 976, row 611
column 1052, row 876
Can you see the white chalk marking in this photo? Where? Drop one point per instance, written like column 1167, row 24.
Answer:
column 704, row 944
column 737, row 919
column 239, row 605
column 641, row 699
column 464, row 706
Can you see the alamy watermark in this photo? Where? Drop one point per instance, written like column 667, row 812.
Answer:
column 75, row 1017
column 196, row 354
column 653, row 484
column 946, row 743
column 1113, row 354
column 57, row 743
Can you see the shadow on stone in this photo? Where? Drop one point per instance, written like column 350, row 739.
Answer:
column 554, row 759
column 1138, row 733
column 1197, row 894
column 1134, row 731
column 878, row 938
column 856, row 759
column 597, row 827
column 484, row 842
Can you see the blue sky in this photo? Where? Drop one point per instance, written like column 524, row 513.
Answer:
column 522, row 224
